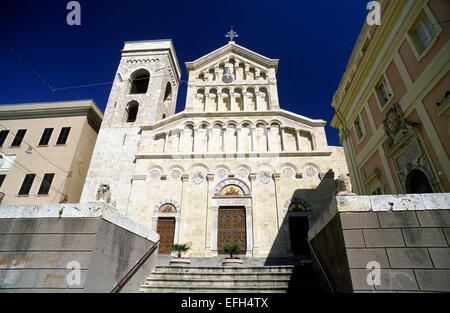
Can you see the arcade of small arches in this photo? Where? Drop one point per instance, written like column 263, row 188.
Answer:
column 245, row 136
column 236, row 176
column 239, row 69
column 228, row 99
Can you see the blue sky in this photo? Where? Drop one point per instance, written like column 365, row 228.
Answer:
column 66, row 55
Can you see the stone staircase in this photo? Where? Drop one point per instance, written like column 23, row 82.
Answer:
column 239, row 279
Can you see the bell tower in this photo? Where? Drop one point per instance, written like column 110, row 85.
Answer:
column 144, row 91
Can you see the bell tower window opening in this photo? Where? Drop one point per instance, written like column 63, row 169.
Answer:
column 132, row 110
column 139, row 82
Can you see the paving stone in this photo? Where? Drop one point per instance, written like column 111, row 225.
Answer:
column 381, row 238
column 353, row 238
column 438, row 218
column 440, row 257
column 424, row 237
column 5, row 225
column 397, row 280
column 409, row 258
column 447, row 234
column 359, row 220
column 398, row 219
column 433, row 280
column 359, row 258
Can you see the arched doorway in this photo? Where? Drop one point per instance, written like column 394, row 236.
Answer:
column 417, row 182
column 231, row 216
column 298, row 228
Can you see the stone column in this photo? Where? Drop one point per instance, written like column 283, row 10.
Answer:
column 180, row 131
column 193, row 138
column 166, row 141
column 238, row 131
column 154, row 223
column 152, row 143
column 243, row 100
column 313, row 141
column 184, row 180
column 219, row 102
column 223, row 138
column 283, row 147
column 252, row 178
column 207, row 247
column 276, row 178
column 252, row 134
column 231, row 101
column 176, row 238
column 297, row 137
column 206, row 101
column 208, row 139
column 267, row 137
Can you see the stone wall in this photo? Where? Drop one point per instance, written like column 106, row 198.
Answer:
column 39, row 245
column 408, row 235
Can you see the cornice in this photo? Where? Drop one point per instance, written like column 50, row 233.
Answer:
column 239, row 50
column 243, row 114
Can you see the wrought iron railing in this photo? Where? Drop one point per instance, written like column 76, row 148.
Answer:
column 136, row 266
column 320, row 265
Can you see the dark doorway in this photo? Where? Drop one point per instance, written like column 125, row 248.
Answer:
column 232, row 228
column 417, row 182
column 298, row 229
column 166, row 230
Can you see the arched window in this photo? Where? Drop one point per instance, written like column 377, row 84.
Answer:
column 163, row 116
column 132, row 110
column 139, row 82
column 168, row 93
column 417, row 182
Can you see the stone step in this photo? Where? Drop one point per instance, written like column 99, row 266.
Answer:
column 186, row 282
column 237, row 269
column 208, row 289
column 239, row 279
column 219, row 276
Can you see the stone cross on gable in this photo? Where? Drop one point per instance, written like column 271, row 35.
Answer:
column 232, row 34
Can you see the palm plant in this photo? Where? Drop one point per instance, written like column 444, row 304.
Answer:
column 231, row 249
column 179, row 248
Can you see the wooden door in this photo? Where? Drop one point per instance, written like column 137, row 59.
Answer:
column 232, row 228
column 166, row 230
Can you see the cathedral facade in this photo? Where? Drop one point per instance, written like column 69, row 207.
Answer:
column 232, row 167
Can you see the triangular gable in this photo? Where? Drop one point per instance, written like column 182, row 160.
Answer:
column 236, row 49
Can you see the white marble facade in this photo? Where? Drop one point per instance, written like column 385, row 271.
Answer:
column 230, row 133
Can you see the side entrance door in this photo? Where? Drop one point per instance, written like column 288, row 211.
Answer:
column 232, row 228
column 166, row 230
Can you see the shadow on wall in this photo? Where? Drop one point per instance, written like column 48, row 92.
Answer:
column 305, row 208
column 290, row 246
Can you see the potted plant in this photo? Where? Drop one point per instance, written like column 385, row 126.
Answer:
column 179, row 249
column 231, row 249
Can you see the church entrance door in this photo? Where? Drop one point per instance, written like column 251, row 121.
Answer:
column 232, row 228
column 166, row 230
column 298, row 229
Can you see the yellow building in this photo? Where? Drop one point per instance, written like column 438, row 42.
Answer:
column 45, row 150
column 392, row 105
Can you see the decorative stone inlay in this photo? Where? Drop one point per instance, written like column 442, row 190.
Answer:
column 310, row 171
column 175, row 174
column 265, row 177
column 288, row 172
column 221, row 173
column 154, row 174
column 198, row 178
column 242, row 173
